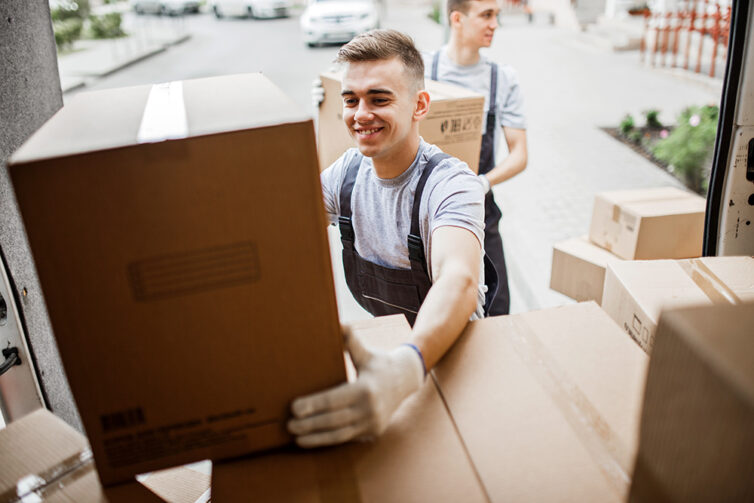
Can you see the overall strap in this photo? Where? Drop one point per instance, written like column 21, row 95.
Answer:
column 435, row 63
column 347, row 236
column 415, row 243
column 493, row 88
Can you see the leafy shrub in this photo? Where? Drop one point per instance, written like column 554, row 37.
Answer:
column 688, row 148
column 65, row 10
column 436, row 13
column 67, row 31
column 626, row 125
column 106, row 26
column 635, row 136
column 652, row 119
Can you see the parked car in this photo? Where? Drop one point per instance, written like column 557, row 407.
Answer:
column 167, row 7
column 251, row 8
column 330, row 21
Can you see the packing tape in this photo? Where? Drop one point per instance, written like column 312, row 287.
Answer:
column 37, row 487
column 708, row 282
column 336, row 478
column 164, row 115
column 602, row 443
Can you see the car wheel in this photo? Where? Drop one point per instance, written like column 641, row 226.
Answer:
column 250, row 12
column 312, row 45
column 218, row 13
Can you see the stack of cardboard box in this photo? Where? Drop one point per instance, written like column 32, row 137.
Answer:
column 644, row 224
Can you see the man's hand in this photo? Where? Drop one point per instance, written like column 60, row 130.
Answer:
column 318, row 93
column 359, row 409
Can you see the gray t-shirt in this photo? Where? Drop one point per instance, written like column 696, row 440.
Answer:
column 509, row 99
column 381, row 208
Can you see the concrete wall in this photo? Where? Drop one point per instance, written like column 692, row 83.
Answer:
column 30, row 94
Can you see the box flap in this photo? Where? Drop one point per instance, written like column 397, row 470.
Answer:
column 551, row 396
column 112, row 118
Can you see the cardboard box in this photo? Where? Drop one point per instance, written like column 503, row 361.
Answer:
column 170, row 266
column 42, row 458
column 636, row 292
column 419, row 458
column 578, row 269
column 697, row 426
column 645, row 224
column 547, row 403
column 454, row 122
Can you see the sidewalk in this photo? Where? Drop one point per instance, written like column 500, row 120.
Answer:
column 572, row 88
column 147, row 36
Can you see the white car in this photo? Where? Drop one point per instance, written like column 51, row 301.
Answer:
column 252, row 8
column 169, row 7
column 331, row 21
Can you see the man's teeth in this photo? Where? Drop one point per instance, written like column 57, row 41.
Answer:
column 367, row 131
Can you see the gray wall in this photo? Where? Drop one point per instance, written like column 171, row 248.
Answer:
column 29, row 94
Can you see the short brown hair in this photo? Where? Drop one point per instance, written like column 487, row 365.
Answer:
column 461, row 6
column 377, row 45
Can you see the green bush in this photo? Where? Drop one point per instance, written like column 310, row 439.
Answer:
column 635, row 136
column 688, row 148
column 67, row 31
column 65, row 10
column 436, row 13
column 106, row 26
column 626, row 125
column 652, row 119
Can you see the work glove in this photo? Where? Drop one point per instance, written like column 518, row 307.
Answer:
column 359, row 409
column 485, row 183
column 318, row 93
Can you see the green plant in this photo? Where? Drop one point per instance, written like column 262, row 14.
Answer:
column 106, row 26
column 67, row 31
column 635, row 136
column 65, row 10
column 688, row 148
column 626, row 125
column 436, row 13
column 652, row 119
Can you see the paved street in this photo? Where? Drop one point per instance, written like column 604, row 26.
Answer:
column 571, row 87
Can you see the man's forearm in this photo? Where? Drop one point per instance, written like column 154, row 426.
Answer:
column 509, row 167
column 444, row 314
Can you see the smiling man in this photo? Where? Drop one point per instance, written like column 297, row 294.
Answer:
column 412, row 226
column 472, row 26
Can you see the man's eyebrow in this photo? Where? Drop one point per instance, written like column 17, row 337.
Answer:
column 348, row 92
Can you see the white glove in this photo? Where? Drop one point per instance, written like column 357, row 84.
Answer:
column 485, row 183
column 318, row 93
column 363, row 408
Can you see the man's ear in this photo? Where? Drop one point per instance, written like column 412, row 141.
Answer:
column 454, row 18
column 422, row 105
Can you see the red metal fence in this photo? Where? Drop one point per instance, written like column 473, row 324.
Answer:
column 693, row 35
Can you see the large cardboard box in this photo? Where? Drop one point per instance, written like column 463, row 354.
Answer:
column 419, row 458
column 697, row 425
column 645, row 224
column 547, row 403
column 636, row 292
column 171, row 266
column 454, row 122
column 578, row 269
column 42, row 458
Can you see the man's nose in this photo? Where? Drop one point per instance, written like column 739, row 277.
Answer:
column 363, row 112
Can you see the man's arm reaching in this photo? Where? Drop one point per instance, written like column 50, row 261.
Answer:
column 363, row 408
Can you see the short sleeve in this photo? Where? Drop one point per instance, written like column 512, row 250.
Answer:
column 511, row 106
column 457, row 199
column 332, row 180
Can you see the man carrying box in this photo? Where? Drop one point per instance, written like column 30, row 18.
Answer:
column 472, row 26
column 412, row 225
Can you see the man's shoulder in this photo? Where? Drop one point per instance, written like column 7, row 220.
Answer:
column 448, row 166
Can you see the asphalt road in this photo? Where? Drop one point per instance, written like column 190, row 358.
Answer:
column 237, row 45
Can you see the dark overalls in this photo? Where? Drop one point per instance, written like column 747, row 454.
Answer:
column 493, row 242
column 385, row 290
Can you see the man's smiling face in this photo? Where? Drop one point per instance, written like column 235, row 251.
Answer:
column 379, row 101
